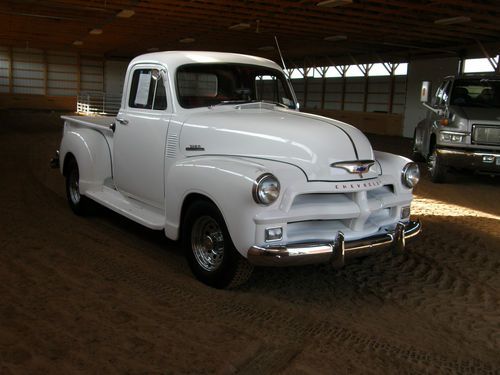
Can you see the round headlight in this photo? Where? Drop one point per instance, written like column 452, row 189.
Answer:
column 411, row 174
column 266, row 189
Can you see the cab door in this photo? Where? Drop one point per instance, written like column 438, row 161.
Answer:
column 140, row 136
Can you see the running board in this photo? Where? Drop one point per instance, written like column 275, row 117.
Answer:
column 141, row 213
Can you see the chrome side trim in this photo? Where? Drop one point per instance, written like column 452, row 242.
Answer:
column 335, row 253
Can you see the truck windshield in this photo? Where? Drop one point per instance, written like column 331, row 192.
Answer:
column 203, row 85
column 476, row 93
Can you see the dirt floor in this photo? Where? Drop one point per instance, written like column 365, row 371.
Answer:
column 103, row 295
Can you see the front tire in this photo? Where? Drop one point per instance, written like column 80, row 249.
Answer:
column 415, row 153
column 79, row 204
column 209, row 249
column 436, row 168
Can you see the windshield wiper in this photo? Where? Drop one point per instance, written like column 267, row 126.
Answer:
column 235, row 101
column 275, row 103
column 244, row 101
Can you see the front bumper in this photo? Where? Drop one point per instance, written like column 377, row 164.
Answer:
column 336, row 252
column 479, row 160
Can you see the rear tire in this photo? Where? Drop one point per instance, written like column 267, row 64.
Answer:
column 78, row 203
column 436, row 168
column 210, row 252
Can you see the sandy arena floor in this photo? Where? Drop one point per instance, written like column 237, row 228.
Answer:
column 103, row 295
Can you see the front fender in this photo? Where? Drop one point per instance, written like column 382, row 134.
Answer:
column 91, row 151
column 228, row 182
column 392, row 168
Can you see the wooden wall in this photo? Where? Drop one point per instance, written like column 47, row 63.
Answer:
column 367, row 122
column 27, row 101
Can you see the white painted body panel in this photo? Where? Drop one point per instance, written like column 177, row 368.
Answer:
column 147, row 174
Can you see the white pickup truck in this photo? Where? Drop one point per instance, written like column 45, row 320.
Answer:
column 211, row 149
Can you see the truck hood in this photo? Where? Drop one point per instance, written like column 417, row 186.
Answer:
column 478, row 113
column 307, row 141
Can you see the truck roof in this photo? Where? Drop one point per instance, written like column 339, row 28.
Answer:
column 174, row 59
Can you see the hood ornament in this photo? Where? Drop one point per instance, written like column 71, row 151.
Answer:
column 355, row 166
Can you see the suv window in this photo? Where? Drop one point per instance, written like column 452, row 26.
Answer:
column 147, row 90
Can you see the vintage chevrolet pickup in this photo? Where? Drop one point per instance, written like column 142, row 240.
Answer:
column 211, row 149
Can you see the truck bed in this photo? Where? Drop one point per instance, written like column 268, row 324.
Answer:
column 101, row 123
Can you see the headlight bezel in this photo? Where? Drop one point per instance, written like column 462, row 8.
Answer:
column 257, row 192
column 405, row 176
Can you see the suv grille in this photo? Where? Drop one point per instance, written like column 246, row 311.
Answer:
column 486, row 134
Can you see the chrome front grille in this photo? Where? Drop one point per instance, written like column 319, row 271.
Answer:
column 486, row 134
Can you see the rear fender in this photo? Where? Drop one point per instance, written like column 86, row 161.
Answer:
column 92, row 153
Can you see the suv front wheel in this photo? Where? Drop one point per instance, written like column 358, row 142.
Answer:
column 436, row 168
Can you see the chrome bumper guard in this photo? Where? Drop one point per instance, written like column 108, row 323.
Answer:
column 335, row 253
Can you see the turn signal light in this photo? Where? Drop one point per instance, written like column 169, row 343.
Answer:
column 444, row 122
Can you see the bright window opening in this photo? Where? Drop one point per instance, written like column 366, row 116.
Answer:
column 354, row 71
column 478, row 65
column 401, row 70
column 378, row 70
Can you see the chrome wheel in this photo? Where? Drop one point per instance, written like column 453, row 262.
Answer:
column 436, row 168
column 207, row 243
column 431, row 163
column 74, row 186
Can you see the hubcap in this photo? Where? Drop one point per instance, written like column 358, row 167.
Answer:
column 432, row 161
column 207, row 243
column 74, row 188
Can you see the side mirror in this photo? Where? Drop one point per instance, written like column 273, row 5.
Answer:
column 424, row 92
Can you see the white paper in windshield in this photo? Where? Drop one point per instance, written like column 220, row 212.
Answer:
column 141, row 97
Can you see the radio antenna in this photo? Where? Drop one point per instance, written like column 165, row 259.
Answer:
column 281, row 55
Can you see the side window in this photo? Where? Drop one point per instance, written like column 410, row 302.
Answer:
column 147, row 90
column 446, row 93
column 439, row 95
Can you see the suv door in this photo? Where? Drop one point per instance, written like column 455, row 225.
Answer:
column 141, row 132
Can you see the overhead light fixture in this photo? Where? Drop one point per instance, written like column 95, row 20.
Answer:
column 333, row 3
column 153, row 49
column 335, row 38
column 240, row 26
column 266, row 48
column 95, row 31
column 186, row 40
column 452, row 20
column 77, row 43
column 125, row 13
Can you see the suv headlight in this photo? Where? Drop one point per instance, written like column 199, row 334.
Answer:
column 266, row 189
column 454, row 137
column 411, row 174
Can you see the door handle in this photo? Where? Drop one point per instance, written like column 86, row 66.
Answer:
column 122, row 121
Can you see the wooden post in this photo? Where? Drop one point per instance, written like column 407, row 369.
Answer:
column 45, row 73
column 323, row 90
column 306, row 71
column 78, row 74
column 365, row 94
column 366, row 70
column 11, row 71
column 342, row 103
column 391, row 94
